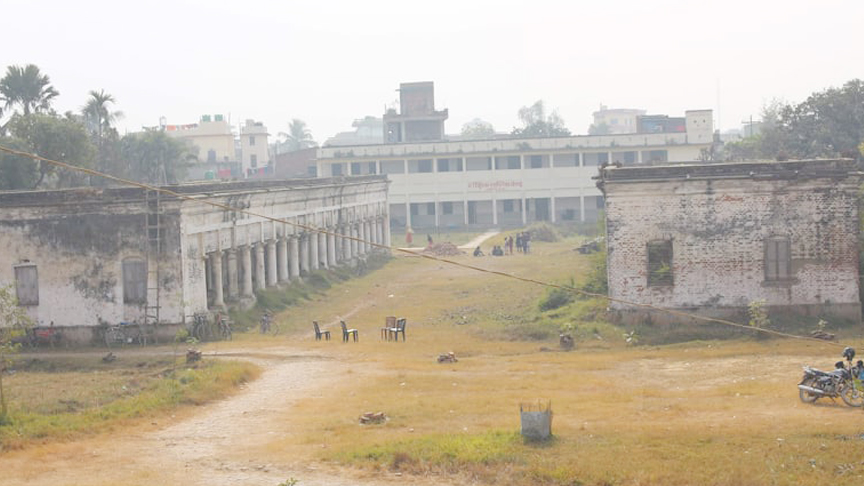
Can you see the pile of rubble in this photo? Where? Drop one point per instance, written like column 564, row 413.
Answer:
column 373, row 418
column 443, row 249
column 193, row 355
column 447, row 357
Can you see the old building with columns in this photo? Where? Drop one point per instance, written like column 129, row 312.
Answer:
column 712, row 238
column 80, row 258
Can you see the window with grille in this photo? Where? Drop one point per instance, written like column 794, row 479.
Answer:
column 27, row 284
column 134, row 281
column 778, row 260
column 660, row 263
column 447, row 207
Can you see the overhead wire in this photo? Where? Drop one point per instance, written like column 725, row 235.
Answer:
column 411, row 252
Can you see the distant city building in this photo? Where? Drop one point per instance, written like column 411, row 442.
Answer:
column 417, row 120
column 255, row 149
column 213, row 140
column 296, row 164
column 501, row 182
column 368, row 131
column 615, row 121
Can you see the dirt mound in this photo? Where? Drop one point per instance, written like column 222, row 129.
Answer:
column 443, row 249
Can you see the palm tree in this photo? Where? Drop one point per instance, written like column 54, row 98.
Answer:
column 96, row 114
column 298, row 137
column 28, row 88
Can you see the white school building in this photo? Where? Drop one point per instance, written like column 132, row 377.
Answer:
column 513, row 181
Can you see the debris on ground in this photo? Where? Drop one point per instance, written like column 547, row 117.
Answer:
column 108, row 358
column 447, row 357
column 193, row 355
column 373, row 418
column 827, row 336
column 566, row 342
column 443, row 249
column 592, row 246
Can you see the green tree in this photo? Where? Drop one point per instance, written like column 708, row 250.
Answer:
column 155, row 158
column 298, row 137
column 536, row 123
column 99, row 120
column 16, row 172
column 14, row 322
column 26, row 87
column 478, row 129
column 98, row 116
column 598, row 129
column 55, row 138
column 829, row 123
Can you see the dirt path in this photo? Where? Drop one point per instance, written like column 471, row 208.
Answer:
column 219, row 444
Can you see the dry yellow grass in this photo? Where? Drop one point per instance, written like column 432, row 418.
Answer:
column 699, row 413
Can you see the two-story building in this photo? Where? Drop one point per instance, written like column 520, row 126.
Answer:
column 500, row 182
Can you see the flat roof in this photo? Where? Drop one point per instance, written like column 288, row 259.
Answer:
column 790, row 169
column 198, row 188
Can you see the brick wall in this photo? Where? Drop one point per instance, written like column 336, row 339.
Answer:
column 718, row 226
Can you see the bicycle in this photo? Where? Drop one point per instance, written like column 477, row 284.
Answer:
column 124, row 333
column 201, row 326
column 223, row 327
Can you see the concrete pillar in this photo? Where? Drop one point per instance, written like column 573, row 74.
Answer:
column 216, row 265
column 233, row 278
column 246, row 259
column 465, row 211
column 364, row 235
column 313, row 250
column 386, row 224
column 346, row 243
column 494, row 211
column 355, row 246
column 260, row 281
column 271, row 264
column 294, row 251
column 370, row 235
column 282, row 257
column 331, row 247
column 524, row 212
column 304, row 254
column 408, row 214
column 582, row 208
column 552, row 216
column 376, row 232
column 322, row 250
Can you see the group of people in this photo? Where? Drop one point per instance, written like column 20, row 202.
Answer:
column 522, row 242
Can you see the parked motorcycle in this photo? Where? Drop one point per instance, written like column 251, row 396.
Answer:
column 843, row 382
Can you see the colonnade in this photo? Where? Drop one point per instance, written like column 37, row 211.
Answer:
column 235, row 273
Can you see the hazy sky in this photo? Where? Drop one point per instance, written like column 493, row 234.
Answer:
column 329, row 62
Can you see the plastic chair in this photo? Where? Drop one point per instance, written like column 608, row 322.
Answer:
column 400, row 327
column 389, row 323
column 346, row 332
column 319, row 332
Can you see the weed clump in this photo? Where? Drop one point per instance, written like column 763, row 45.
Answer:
column 544, row 232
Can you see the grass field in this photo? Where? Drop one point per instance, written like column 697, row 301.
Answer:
column 718, row 413
column 66, row 396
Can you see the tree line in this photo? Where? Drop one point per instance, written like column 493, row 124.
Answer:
column 87, row 138
column 829, row 123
